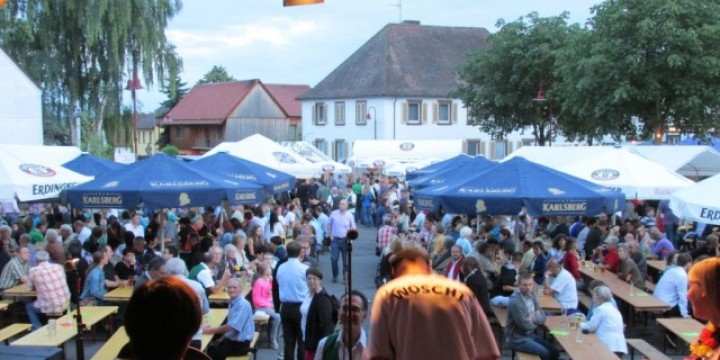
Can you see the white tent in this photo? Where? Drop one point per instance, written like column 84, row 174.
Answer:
column 556, row 156
column 693, row 161
column 33, row 172
column 259, row 149
column 401, row 169
column 317, row 157
column 635, row 176
column 700, row 202
column 405, row 150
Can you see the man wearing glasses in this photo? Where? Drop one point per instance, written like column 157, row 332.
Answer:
column 351, row 340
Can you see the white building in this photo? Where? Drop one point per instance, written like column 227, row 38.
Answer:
column 395, row 87
column 20, row 105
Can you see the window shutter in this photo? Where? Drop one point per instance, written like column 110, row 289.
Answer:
column 519, row 144
column 345, row 150
column 509, row 144
column 325, row 112
column 465, row 147
column 405, row 113
column 453, row 113
column 436, row 112
column 424, row 113
column 312, row 116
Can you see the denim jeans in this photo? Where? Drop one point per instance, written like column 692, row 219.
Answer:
column 33, row 313
column 338, row 248
column 274, row 322
column 534, row 344
column 366, row 216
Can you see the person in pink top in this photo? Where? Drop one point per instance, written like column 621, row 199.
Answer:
column 263, row 301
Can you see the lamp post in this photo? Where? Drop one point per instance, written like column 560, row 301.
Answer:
column 133, row 85
column 374, row 119
column 540, row 97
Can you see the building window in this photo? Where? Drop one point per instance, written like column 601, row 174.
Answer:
column 528, row 142
column 319, row 114
column 292, row 132
column 361, row 112
column 321, row 145
column 340, row 150
column 219, row 134
column 179, row 132
column 340, row 113
column 474, row 147
column 499, row 149
column 444, row 112
column 414, row 113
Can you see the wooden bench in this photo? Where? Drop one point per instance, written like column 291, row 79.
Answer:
column 649, row 286
column 585, row 300
column 112, row 347
column 4, row 304
column 11, row 330
column 253, row 349
column 525, row 356
column 645, row 349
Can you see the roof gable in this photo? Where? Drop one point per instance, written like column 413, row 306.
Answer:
column 286, row 96
column 212, row 102
column 406, row 60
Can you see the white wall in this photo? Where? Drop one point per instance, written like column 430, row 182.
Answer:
column 20, row 106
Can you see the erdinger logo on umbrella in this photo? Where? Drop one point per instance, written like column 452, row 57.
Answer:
column 37, row 170
column 605, row 174
column 407, row 146
column 328, row 168
column 284, row 157
column 379, row 164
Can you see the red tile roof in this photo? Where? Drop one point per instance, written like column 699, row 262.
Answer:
column 211, row 103
column 286, row 96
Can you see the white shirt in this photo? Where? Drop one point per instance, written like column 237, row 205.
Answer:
column 84, row 234
column 564, row 289
column 137, row 230
column 205, row 277
column 357, row 350
column 292, row 284
column 672, row 288
column 607, row 324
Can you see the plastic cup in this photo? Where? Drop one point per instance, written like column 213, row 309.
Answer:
column 52, row 327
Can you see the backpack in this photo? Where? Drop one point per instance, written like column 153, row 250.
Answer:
column 335, row 308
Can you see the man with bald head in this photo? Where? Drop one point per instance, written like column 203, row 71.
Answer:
column 340, row 222
column 561, row 285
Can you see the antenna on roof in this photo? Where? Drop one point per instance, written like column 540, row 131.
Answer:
column 399, row 6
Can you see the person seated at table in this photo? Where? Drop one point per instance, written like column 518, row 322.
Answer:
column 609, row 260
column 51, row 289
column 95, row 288
column 125, row 268
column 661, row 246
column 570, row 261
column 16, row 271
column 202, row 272
column 506, row 283
column 524, row 316
column 606, row 322
column 628, row 269
column 176, row 267
column 452, row 271
column 638, row 257
column 170, row 252
column 143, row 253
column 704, row 295
column 709, row 248
column 561, row 285
column 155, row 270
column 263, row 302
column 239, row 329
column 486, row 259
column 591, row 286
column 673, row 285
column 539, row 262
column 557, row 251
column 161, row 318
column 475, row 280
column 112, row 280
column 528, row 255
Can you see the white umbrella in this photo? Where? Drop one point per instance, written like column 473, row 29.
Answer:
column 635, row 176
column 700, row 202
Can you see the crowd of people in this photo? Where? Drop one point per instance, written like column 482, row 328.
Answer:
column 444, row 269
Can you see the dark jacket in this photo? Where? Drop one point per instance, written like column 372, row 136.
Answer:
column 478, row 284
column 319, row 320
column 520, row 324
column 539, row 265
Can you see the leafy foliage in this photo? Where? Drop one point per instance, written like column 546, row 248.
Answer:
column 216, row 74
column 171, row 150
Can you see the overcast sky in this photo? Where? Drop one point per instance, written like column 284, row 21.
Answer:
column 261, row 39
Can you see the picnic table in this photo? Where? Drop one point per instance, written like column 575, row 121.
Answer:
column 19, row 291
column 686, row 329
column 121, row 294
column 66, row 327
column 658, row 265
column 214, row 318
column 222, row 297
column 112, row 347
column 590, row 348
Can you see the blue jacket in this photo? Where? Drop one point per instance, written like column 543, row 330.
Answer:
column 539, row 265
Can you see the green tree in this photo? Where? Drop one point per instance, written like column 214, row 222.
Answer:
column 175, row 91
column 171, row 150
column 645, row 65
column 216, row 74
column 502, row 82
column 83, row 50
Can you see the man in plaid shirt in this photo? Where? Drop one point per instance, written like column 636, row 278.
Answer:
column 386, row 231
column 50, row 284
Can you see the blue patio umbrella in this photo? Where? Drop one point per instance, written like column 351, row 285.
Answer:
column 466, row 167
column 222, row 163
column 439, row 166
column 506, row 188
column 91, row 166
column 161, row 182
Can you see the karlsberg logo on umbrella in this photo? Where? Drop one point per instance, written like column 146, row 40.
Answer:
column 605, row 174
column 407, row 146
column 328, row 168
column 37, row 170
column 284, row 157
